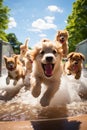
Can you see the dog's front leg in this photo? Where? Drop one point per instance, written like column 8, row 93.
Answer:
column 78, row 74
column 7, row 80
column 36, row 86
column 45, row 100
column 15, row 82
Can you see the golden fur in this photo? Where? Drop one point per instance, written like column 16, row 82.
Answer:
column 74, row 64
column 62, row 39
column 29, row 62
column 23, row 50
column 47, row 69
column 15, row 69
column 28, row 66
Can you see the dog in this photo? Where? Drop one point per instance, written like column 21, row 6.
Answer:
column 28, row 65
column 23, row 50
column 29, row 62
column 74, row 64
column 15, row 69
column 47, row 69
column 62, row 39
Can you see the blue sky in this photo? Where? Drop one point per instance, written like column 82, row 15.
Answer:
column 37, row 19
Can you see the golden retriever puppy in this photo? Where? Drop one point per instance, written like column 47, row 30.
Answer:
column 28, row 65
column 15, row 69
column 23, row 50
column 74, row 64
column 29, row 62
column 62, row 39
column 47, row 69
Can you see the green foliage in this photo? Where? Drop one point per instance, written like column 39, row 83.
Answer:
column 4, row 20
column 4, row 15
column 14, row 42
column 77, row 23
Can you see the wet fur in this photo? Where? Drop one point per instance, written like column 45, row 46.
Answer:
column 62, row 35
column 74, row 64
column 23, row 50
column 39, row 54
column 15, row 71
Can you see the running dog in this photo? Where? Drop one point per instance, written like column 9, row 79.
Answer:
column 62, row 39
column 15, row 69
column 47, row 69
column 74, row 64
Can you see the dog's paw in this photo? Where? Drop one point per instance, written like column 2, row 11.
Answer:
column 77, row 76
column 68, row 73
column 15, row 82
column 7, row 80
column 3, row 92
column 36, row 92
column 26, row 82
column 44, row 102
column 27, row 88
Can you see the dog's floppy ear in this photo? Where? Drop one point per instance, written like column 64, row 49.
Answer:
column 56, row 37
column 16, row 58
column 45, row 40
column 82, row 56
column 5, row 58
column 33, row 53
column 67, row 33
column 70, row 55
column 59, row 32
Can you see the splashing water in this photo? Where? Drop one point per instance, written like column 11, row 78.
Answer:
column 69, row 100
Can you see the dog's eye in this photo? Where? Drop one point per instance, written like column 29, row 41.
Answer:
column 60, row 35
column 78, row 59
column 42, row 52
column 54, row 51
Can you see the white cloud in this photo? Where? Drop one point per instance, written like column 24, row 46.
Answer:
column 42, row 24
column 34, row 30
column 12, row 23
column 54, row 8
column 65, row 21
column 49, row 19
column 42, row 35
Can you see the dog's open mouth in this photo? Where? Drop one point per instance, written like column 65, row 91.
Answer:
column 75, row 68
column 11, row 69
column 48, row 68
column 62, row 40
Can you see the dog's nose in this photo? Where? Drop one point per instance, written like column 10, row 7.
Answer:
column 49, row 59
column 62, row 38
column 76, row 62
column 11, row 65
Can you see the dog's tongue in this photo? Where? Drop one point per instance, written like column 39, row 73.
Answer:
column 62, row 41
column 48, row 69
column 75, row 68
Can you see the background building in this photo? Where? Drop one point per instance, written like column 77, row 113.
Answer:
column 82, row 47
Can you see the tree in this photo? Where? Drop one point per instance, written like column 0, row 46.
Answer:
column 77, row 24
column 14, row 42
column 4, row 19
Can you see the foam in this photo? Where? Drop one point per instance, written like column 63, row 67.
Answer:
column 68, row 92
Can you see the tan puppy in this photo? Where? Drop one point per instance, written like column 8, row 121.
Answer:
column 62, row 39
column 15, row 69
column 74, row 64
column 47, row 69
column 28, row 66
column 28, row 62
column 23, row 50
